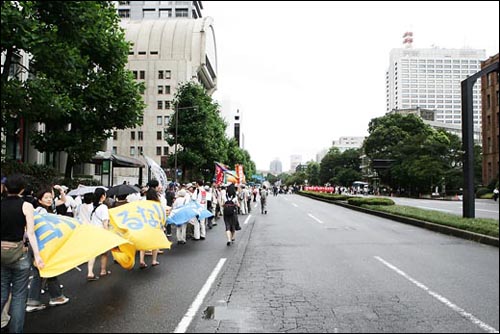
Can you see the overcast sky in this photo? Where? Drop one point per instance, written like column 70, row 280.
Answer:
column 306, row 73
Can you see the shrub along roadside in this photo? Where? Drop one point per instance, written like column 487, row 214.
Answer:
column 477, row 225
column 360, row 201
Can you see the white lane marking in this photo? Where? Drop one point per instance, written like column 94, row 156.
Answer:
column 246, row 220
column 295, row 205
column 193, row 309
column 427, row 207
column 316, row 219
column 442, row 299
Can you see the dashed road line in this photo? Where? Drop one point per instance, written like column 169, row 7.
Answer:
column 316, row 219
column 442, row 299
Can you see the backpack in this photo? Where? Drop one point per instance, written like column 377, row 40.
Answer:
column 229, row 208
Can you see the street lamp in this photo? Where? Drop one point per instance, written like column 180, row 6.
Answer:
column 176, row 134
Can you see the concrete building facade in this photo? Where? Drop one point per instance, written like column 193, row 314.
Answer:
column 431, row 79
column 275, row 167
column 348, row 142
column 491, row 122
column 165, row 53
column 139, row 10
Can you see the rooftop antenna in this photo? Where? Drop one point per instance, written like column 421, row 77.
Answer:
column 408, row 40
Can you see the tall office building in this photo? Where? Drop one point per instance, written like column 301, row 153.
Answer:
column 164, row 54
column 275, row 167
column 295, row 160
column 138, row 10
column 491, row 122
column 346, row 143
column 431, row 79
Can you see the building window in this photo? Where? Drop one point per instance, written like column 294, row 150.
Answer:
column 98, row 169
column 132, row 135
column 165, row 150
column 114, row 150
column 148, row 13
column 167, row 104
column 124, row 13
column 115, row 135
column 142, row 75
column 132, row 151
column 165, row 12
column 158, row 135
column 167, row 120
column 160, row 89
column 158, row 150
column 160, row 105
column 181, row 12
column 160, row 74
column 140, row 135
column 167, row 89
column 488, row 101
column 140, row 150
column 168, row 74
column 158, row 120
column 134, row 73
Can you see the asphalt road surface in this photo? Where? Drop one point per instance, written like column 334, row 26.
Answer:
column 306, row 266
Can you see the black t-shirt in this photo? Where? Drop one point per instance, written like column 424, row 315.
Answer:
column 13, row 219
column 170, row 197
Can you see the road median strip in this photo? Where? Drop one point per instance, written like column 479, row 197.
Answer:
column 450, row 230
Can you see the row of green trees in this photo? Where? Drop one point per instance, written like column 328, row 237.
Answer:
column 77, row 84
column 421, row 159
column 75, row 81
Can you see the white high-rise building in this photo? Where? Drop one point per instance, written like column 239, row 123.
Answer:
column 295, row 160
column 346, row 143
column 275, row 167
column 138, row 10
column 431, row 79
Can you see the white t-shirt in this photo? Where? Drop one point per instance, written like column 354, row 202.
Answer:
column 100, row 215
column 84, row 213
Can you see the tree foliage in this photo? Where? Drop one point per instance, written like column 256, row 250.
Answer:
column 77, row 85
column 423, row 157
column 201, row 135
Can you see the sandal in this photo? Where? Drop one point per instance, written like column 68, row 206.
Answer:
column 155, row 264
column 92, row 278
column 107, row 273
column 143, row 266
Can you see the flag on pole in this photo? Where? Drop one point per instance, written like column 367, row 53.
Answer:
column 157, row 172
column 220, row 169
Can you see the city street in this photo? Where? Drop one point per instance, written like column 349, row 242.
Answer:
column 484, row 208
column 306, row 266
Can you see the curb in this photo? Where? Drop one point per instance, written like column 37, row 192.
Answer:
column 220, row 295
column 481, row 238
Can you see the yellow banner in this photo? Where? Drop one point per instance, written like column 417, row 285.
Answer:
column 65, row 243
column 139, row 222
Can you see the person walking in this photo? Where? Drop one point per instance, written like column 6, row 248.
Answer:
column 152, row 195
column 45, row 198
column 182, row 198
column 495, row 194
column 99, row 217
column 17, row 216
column 230, row 213
column 263, row 200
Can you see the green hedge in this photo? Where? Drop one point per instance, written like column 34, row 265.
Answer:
column 359, row 201
column 482, row 191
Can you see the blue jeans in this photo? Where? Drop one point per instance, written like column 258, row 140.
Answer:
column 15, row 277
column 35, row 289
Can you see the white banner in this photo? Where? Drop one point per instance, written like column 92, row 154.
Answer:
column 157, row 172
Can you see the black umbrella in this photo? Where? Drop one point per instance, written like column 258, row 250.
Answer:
column 122, row 189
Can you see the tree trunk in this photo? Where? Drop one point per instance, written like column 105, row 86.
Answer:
column 69, row 167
